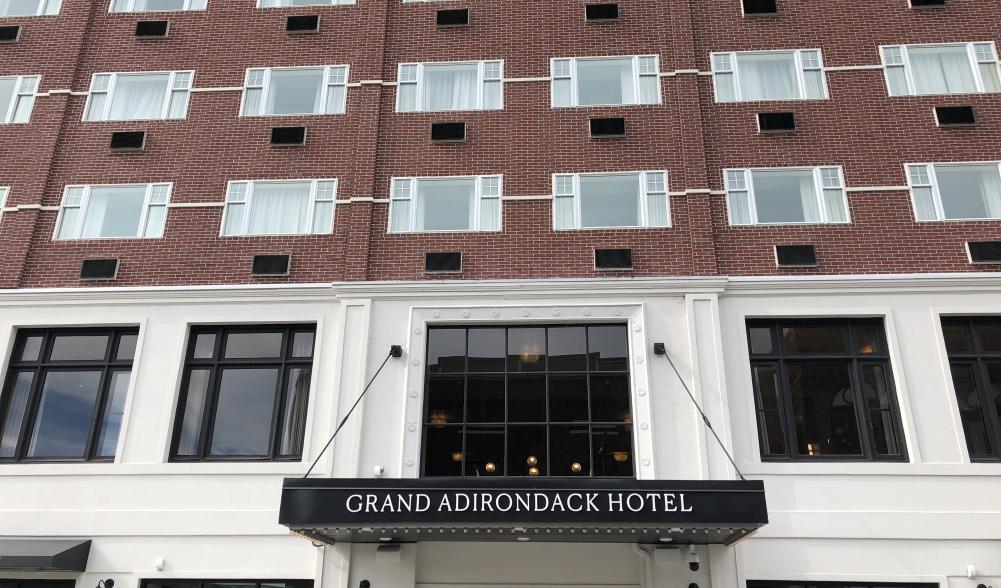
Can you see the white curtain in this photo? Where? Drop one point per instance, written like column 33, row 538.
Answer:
column 450, row 87
column 113, row 212
column 767, row 76
column 605, row 81
column 445, row 205
column 7, row 87
column 785, row 196
column 19, row 7
column 970, row 191
column 941, row 70
column 295, row 91
column 139, row 97
column 610, row 200
column 159, row 5
column 279, row 209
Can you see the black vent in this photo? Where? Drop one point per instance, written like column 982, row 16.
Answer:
column 128, row 140
column 608, row 127
column 271, row 265
column 307, row 23
column 601, row 11
column 985, row 251
column 776, row 122
column 448, row 132
column 952, row 116
column 457, row 17
column 927, row 3
column 288, row 136
column 152, row 29
column 99, row 269
column 795, row 255
column 10, row 34
column 613, row 259
column 760, row 7
column 450, row 261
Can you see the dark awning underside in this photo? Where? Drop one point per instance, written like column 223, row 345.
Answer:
column 55, row 555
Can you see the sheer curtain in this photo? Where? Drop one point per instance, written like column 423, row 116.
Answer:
column 113, row 212
column 159, row 5
column 941, row 70
column 19, row 7
column 295, row 91
column 450, row 87
column 970, row 191
column 786, row 196
column 767, row 76
column 445, row 205
column 139, row 97
column 279, row 209
column 610, row 201
column 7, row 87
column 605, row 81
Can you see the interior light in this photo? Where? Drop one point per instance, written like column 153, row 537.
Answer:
column 490, row 467
column 532, row 460
column 576, row 468
column 530, row 352
column 809, row 448
column 533, row 471
column 620, row 456
column 439, row 417
column 457, row 456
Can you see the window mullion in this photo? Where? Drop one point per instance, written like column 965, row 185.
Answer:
column 751, row 202
column 477, row 199
column 800, row 75
column 82, row 214
column 312, row 207
column 109, row 96
column 480, row 84
column 735, row 72
column 644, row 197
column 9, row 115
column 908, row 74
column 419, row 100
column 573, row 83
column 324, row 91
column 936, row 194
column 577, row 207
column 144, row 214
column 863, row 418
column 818, row 195
column 96, row 421
column 247, row 206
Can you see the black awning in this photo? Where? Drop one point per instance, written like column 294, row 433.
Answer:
column 509, row 509
column 55, row 555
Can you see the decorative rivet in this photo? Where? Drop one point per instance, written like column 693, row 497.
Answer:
column 637, row 327
column 639, row 359
column 644, row 426
column 465, row 314
column 410, row 463
column 495, row 313
column 556, row 312
column 435, row 314
column 646, row 461
column 524, row 312
column 413, row 394
column 641, row 392
column 617, row 312
column 412, row 427
column 586, row 312
column 415, row 361
column 418, row 331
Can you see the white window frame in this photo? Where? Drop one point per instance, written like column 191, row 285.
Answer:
column 265, row 86
column 189, row 6
column 818, row 189
column 481, row 80
column 282, row 3
column 935, row 192
column 734, row 70
column 70, row 192
column 25, row 87
column 572, row 76
column 971, row 53
column 643, row 195
column 45, row 8
column 113, row 82
column 478, row 197
column 4, row 193
column 248, row 202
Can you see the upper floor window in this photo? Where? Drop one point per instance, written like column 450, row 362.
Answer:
column 65, row 394
column 445, row 204
column 281, row 3
column 619, row 200
column 29, row 7
column 951, row 68
column 469, row 85
column 138, row 96
column 296, row 207
column 974, row 348
column 4, row 190
column 823, row 390
column 769, row 75
column 244, row 394
column 17, row 98
column 786, row 195
column 605, row 81
column 156, row 5
column 105, row 212
column 295, row 90
column 955, row 191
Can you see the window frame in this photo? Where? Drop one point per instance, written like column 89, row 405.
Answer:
column 478, row 198
column 976, row 359
column 644, row 194
column 318, row 3
column 109, row 93
column 818, row 188
column 936, row 194
column 20, row 93
column 82, row 207
column 637, row 76
column 248, row 200
column 265, row 87
column 201, row 6
column 800, row 76
column 45, row 8
column 4, row 194
column 418, row 82
column 971, row 54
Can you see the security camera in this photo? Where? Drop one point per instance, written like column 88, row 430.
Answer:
column 694, row 561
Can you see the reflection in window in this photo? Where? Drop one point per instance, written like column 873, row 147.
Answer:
column 299, row 207
column 470, row 85
column 138, row 96
column 953, row 191
column 445, row 204
column 605, row 81
column 974, row 348
column 295, row 90
column 786, row 196
column 769, row 75
column 29, row 7
column 953, row 68
column 109, row 212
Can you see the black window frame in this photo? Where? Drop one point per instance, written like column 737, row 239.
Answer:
column 108, row 365
column 36, row 583
column 216, row 364
column 835, row 584
column 199, row 583
column 977, row 359
column 778, row 359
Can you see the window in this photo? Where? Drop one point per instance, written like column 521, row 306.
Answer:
column 4, row 190
column 65, row 394
column 107, row 212
column 769, row 75
column 156, row 5
column 17, row 97
column 295, row 90
column 955, row 191
column 974, row 348
column 162, row 583
column 244, row 394
column 823, row 390
column 852, row 584
column 445, row 204
column 605, row 81
column 138, row 96
column 281, row 3
column 298, row 207
column 587, row 201
column 955, row 68
column 29, row 7
column 786, row 196
column 528, row 401
column 469, row 85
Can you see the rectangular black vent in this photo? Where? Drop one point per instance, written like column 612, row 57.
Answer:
column 927, row 3
column 608, row 127
column 760, row 7
column 10, row 34
column 448, row 132
column 613, row 259
column 985, row 251
column 450, row 261
column 288, row 136
column 456, row 17
column 271, row 265
column 152, row 29
column 776, row 122
column 306, row 23
column 795, row 255
column 128, row 140
column 601, row 11
column 954, row 116
column 99, row 269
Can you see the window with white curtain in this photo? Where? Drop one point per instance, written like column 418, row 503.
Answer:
column 745, row 76
column 108, row 212
column 955, row 191
column 29, row 7
column 156, row 5
column 948, row 68
column 614, row 200
column 282, row 3
column 463, row 85
column 605, row 81
column 293, row 207
column 295, row 90
column 138, row 96
column 445, row 204
column 786, row 196
column 17, row 98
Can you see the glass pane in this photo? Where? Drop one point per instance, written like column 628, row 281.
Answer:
column 823, row 409
column 969, row 191
column 771, row 429
column 879, row 397
column 178, row 104
column 924, row 204
column 489, row 214
column 564, row 213
column 302, row 344
column 568, row 399
column 484, row 451
column 989, row 73
column 444, row 399
column 22, row 110
column 16, row 406
column 485, row 399
column 740, row 208
column 869, row 337
column 294, row 91
column 989, row 335
column 139, row 97
column 113, row 212
column 610, row 201
column 813, row 339
column 607, row 348
column 561, row 92
column 252, row 101
column 245, row 345
column 957, row 337
column 442, row 451
column 610, row 398
column 293, row 429
column 446, row 350
column 114, row 408
column 725, row 91
column 235, row 214
column 814, row 80
column 280, row 208
column 486, row 350
column 400, row 215
column 526, row 398
column 450, row 86
column 785, row 196
column 569, row 451
column 31, row 348
column 941, row 69
column 445, row 205
column 95, row 106
column 65, row 414
column 336, row 96
column 977, row 437
column 605, row 81
column 611, row 447
column 155, row 217
column 994, row 388
column 126, row 347
column 244, row 412
column 768, row 76
column 526, row 451
column 407, row 97
column 204, row 346
column 159, row 5
column 657, row 210
column 567, row 349
column 189, row 439
column 649, row 90
column 526, row 349
column 834, row 206
column 760, row 339
column 323, row 218
column 79, row 347
column 896, row 79
column 493, row 95
column 19, row 7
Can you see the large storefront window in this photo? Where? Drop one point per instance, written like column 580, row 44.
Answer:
column 160, row 583
column 528, row 401
column 974, row 347
column 853, row 584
